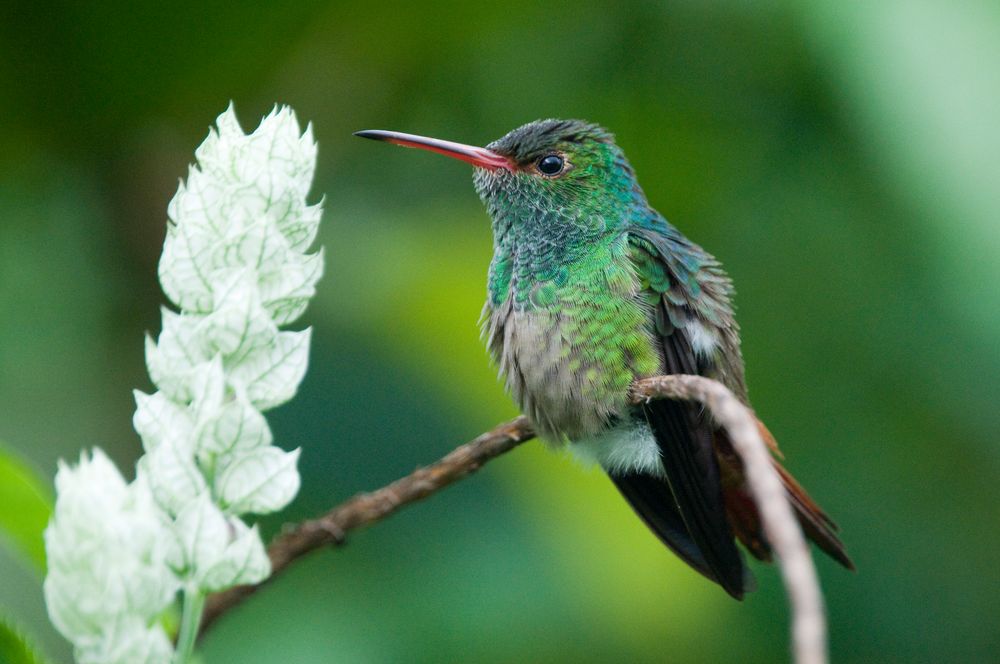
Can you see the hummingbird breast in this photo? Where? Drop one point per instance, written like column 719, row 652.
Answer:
column 569, row 348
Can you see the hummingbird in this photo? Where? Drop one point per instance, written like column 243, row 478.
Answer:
column 589, row 289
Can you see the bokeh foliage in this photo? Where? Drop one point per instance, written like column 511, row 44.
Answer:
column 841, row 158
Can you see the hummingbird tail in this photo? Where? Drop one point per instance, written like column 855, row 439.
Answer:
column 745, row 518
column 815, row 523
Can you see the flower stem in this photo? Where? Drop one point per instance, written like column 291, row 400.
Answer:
column 194, row 604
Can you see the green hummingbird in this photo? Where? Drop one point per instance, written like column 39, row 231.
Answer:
column 589, row 289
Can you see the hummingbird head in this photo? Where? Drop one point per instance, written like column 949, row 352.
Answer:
column 552, row 188
column 569, row 169
column 566, row 174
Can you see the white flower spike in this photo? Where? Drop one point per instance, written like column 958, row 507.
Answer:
column 235, row 265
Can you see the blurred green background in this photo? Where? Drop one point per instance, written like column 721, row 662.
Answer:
column 842, row 158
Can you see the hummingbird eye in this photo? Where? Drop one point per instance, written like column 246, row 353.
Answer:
column 550, row 164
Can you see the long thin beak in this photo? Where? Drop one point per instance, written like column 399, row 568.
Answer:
column 480, row 157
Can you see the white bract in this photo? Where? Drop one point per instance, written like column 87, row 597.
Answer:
column 235, row 264
column 108, row 573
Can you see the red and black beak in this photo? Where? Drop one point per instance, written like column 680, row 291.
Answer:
column 480, row 157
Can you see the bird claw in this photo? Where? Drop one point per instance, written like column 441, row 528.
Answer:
column 335, row 532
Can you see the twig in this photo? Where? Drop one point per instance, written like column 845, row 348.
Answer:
column 367, row 508
column 780, row 525
column 782, row 529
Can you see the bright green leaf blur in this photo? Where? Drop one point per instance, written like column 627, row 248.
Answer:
column 27, row 506
column 14, row 647
column 841, row 158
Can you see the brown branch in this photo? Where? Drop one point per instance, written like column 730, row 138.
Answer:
column 780, row 525
column 367, row 508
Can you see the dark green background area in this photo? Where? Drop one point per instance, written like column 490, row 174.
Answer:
column 842, row 159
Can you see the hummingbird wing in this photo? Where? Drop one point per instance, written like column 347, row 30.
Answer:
column 685, row 440
column 667, row 266
column 689, row 297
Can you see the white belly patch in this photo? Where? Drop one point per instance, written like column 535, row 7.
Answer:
column 629, row 447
